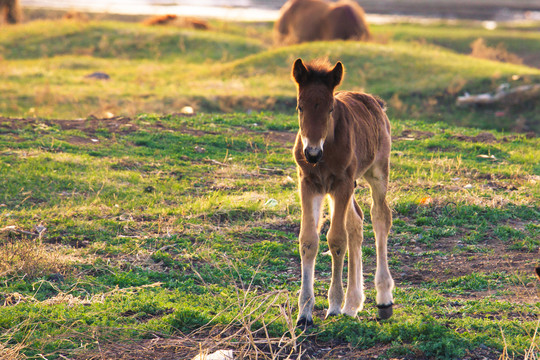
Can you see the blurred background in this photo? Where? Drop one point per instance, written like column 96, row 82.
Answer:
column 500, row 10
column 78, row 58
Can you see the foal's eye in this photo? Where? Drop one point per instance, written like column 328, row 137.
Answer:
column 300, row 109
column 332, row 109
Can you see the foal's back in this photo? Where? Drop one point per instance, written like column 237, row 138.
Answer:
column 364, row 118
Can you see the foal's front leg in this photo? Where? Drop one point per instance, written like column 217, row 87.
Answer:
column 309, row 246
column 337, row 243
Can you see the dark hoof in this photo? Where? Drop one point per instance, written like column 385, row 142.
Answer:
column 304, row 323
column 385, row 311
column 332, row 314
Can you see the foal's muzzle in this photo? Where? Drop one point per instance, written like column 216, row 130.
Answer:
column 312, row 154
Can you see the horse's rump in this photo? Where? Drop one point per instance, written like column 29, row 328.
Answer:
column 311, row 20
column 345, row 20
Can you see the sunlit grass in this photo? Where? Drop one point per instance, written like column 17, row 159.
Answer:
column 116, row 231
column 162, row 69
column 146, row 232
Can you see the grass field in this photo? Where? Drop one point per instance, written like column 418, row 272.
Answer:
column 420, row 70
column 152, row 235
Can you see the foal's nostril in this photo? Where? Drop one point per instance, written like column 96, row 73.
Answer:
column 313, row 155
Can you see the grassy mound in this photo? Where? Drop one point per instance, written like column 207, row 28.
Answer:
column 162, row 69
column 122, row 41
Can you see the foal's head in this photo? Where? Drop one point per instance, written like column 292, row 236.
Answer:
column 315, row 82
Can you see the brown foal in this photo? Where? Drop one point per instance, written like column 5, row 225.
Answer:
column 342, row 137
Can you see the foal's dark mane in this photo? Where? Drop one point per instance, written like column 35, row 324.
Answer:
column 318, row 70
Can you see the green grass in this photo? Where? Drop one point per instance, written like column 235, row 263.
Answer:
column 419, row 70
column 154, row 238
column 114, row 232
column 521, row 41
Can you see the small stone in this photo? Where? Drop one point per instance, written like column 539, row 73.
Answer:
column 187, row 110
column 271, row 203
column 218, row 355
column 98, row 76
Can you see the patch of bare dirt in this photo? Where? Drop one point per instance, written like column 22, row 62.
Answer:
column 449, row 258
column 409, row 134
column 73, row 242
column 190, row 346
column 483, row 137
column 309, row 349
column 124, row 125
column 90, row 126
column 285, row 138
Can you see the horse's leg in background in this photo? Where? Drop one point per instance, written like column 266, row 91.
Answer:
column 337, row 243
column 13, row 11
column 354, row 297
column 381, row 217
column 309, row 246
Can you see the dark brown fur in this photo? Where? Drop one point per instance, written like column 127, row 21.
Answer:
column 10, row 11
column 538, row 272
column 342, row 137
column 311, row 20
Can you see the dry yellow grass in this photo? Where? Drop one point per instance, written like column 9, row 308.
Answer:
column 498, row 53
column 24, row 254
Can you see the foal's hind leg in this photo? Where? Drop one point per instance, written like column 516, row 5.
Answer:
column 381, row 217
column 354, row 298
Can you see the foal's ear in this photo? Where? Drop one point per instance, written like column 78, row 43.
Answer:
column 299, row 72
column 336, row 74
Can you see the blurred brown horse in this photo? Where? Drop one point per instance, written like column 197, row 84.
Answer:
column 10, row 11
column 311, row 20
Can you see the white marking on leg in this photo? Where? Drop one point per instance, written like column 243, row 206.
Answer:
column 354, row 297
column 309, row 239
column 307, row 297
column 316, row 206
